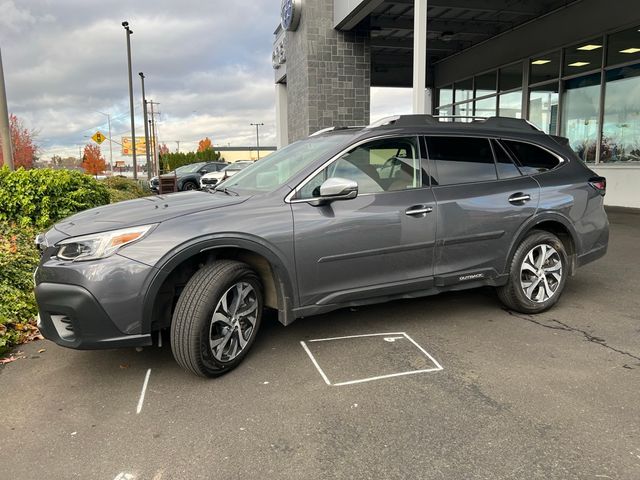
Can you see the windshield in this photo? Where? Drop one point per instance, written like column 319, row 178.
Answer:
column 273, row 171
column 194, row 167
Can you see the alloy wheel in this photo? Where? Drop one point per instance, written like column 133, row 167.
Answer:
column 541, row 273
column 233, row 321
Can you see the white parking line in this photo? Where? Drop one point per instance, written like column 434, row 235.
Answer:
column 144, row 391
column 387, row 337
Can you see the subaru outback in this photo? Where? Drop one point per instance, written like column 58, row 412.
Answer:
column 407, row 207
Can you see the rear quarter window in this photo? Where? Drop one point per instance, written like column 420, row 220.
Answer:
column 531, row 158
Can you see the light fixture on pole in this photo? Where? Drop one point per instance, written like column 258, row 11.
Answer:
column 257, row 125
column 146, row 128
column 133, row 126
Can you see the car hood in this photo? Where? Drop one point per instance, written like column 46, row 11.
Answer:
column 142, row 211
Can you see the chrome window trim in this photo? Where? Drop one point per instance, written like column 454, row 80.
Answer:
column 297, row 188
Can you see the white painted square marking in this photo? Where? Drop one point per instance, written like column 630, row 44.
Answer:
column 396, row 347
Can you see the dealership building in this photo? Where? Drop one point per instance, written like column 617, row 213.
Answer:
column 572, row 68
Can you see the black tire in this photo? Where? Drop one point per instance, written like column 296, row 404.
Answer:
column 193, row 319
column 513, row 294
column 189, row 185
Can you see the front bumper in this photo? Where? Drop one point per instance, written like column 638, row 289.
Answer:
column 93, row 304
column 71, row 317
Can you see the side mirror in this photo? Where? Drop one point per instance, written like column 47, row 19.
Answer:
column 336, row 188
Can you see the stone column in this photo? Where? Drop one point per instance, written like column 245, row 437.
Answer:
column 328, row 73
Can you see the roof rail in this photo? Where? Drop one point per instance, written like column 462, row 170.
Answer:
column 332, row 129
column 424, row 119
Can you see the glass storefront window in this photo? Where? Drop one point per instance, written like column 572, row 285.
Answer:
column 583, row 57
column 580, row 107
column 464, row 90
column 511, row 77
column 510, row 104
column 485, row 84
column 624, row 46
column 621, row 127
column 464, row 110
column 544, row 67
column 486, row 107
column 543, row 107
column 445, row 95
column 445, row 112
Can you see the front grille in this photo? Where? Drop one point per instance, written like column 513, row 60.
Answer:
column 209, row 181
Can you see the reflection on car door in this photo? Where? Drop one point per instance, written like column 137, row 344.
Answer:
column 482, row 202
column 379, row 242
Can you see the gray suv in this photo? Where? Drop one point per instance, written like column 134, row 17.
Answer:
column 404, row 208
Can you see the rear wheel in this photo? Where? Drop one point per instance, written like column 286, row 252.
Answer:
column 189, row 186
column 216, row 318
column 537, row 274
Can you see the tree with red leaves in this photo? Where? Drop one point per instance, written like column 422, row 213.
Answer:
column 92, row 160
column 24, row 150
column 205, row 144
column 163, row 149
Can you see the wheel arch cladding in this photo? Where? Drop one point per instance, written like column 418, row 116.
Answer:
column 178, row 266
column 553, row 223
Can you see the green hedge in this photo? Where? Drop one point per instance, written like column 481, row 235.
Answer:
column 121, row 188
column 18, row 260
column 40, row 197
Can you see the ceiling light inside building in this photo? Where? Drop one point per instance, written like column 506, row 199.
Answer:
column 630, row 50
column 578, row 64
column 542, row 61
column 589, row 47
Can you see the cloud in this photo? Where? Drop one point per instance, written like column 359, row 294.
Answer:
column 207, row 64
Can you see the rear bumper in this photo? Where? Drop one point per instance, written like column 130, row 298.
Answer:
column 70, row 316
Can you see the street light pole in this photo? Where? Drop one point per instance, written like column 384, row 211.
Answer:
column 133, row 126
column 5, row 130
column 110, row 141
column 258, row 125
column 146, row 128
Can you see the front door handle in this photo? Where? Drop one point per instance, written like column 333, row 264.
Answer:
column 519, row 198
column 418, row 210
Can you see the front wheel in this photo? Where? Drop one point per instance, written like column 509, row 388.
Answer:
column 537, row 274
column 216, row 318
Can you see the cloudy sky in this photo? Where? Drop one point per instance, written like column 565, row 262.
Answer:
column 208, row 64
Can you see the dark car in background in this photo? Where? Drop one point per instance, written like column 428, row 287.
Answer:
column 404, row 208
column 188, row 176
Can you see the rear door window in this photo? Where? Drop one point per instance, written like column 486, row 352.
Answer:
column 461, row 159
column 504, row 164
column 531, row 158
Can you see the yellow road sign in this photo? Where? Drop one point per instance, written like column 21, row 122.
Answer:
column 98, row 137
column 127, row 148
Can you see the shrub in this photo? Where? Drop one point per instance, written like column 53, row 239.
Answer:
column 18, row 260
column 121, row 188
column 40, row 197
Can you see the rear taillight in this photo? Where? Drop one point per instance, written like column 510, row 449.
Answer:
column 599, row 183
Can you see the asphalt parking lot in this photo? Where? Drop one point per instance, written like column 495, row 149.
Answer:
column 515, row 397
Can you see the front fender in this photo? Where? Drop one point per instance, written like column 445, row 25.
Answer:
column 285, row 290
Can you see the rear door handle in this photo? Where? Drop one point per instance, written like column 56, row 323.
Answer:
column 519, row 198
column 418, row 210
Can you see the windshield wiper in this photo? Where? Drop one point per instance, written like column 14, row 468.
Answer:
column 226, row 191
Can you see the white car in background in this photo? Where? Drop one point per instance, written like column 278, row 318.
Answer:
column 210, row 180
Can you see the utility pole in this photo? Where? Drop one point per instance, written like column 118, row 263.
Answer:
column 178, row 148
column 146, row 128
column 257, row 125
column 110, row 141
column 156, row 160
column 5, row 130
column 133, row 126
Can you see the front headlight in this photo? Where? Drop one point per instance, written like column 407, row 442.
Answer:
column 100, row 245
